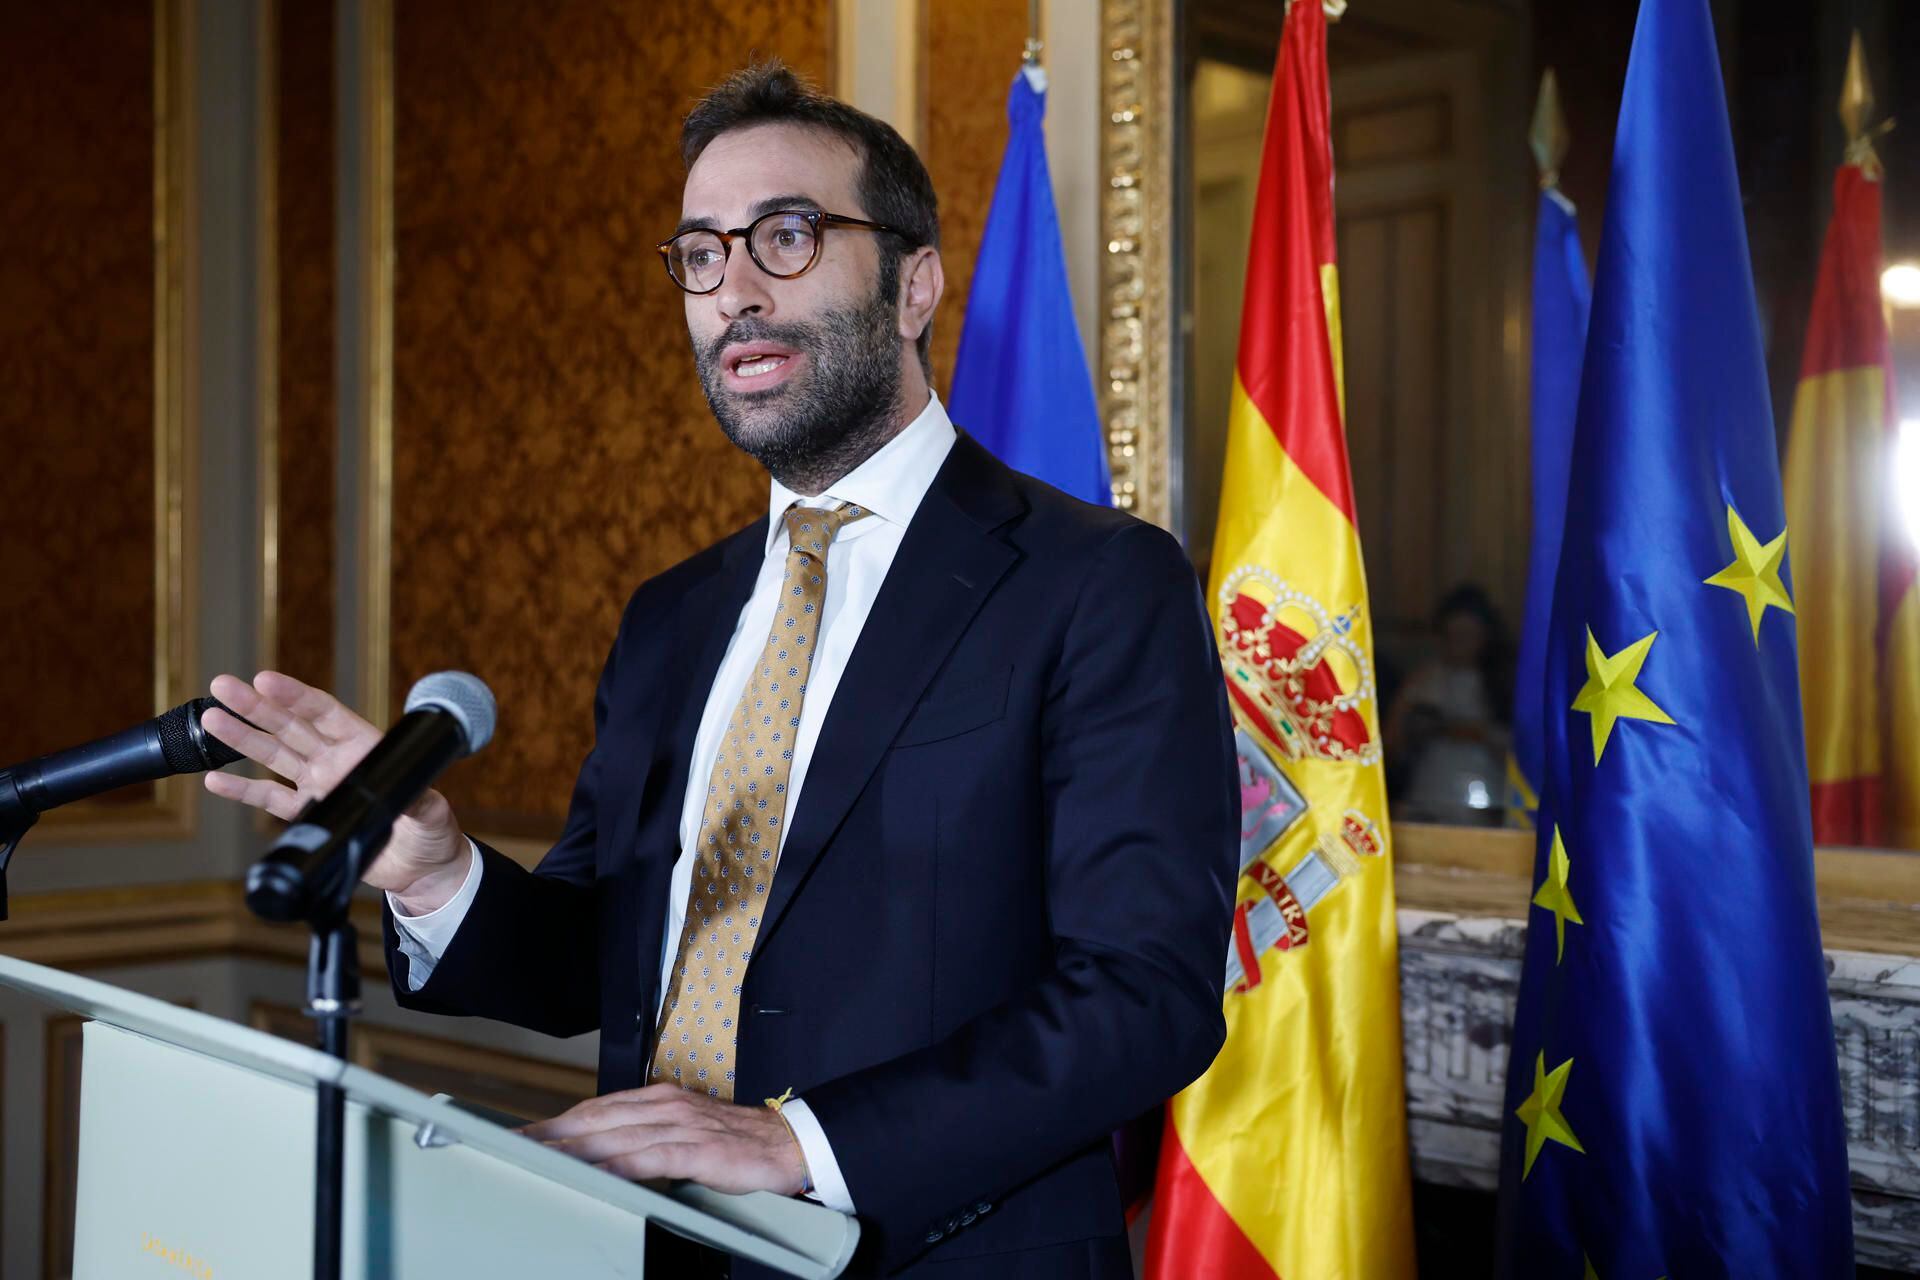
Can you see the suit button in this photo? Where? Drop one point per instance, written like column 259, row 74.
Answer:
column 933, row 1237
column 966, row 1219
column 983, row 1206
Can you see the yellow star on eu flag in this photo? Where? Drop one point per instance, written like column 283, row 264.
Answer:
column 1541, row 1111
column 1755, row 571
column 1610, row 693
column 1555, row 897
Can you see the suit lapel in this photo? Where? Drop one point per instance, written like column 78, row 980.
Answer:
column 708, row 615
column 947, row 565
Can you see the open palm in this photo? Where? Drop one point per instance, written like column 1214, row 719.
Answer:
column 313, row 740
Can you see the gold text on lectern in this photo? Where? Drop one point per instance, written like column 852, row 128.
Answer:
column 178, row 1257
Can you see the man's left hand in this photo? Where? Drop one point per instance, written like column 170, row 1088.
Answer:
column 664, row 1131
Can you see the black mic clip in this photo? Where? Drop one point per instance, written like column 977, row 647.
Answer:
column 16, row 818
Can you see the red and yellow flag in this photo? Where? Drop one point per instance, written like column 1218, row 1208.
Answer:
column 1852, row 555
column 1288, row 1157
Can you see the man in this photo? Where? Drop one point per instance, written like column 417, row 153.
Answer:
column 978, row 728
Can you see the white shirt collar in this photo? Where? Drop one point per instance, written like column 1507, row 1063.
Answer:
column 890, row 484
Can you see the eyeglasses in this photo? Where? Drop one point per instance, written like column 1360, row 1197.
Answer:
column 784, row 243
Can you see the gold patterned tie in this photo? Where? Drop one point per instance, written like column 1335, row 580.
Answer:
column 739, row 840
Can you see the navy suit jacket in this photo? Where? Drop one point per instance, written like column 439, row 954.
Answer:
column 1000, row 918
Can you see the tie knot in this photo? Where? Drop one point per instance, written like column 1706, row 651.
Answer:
column 811, row 529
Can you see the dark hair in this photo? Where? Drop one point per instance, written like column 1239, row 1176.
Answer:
column 1496, row 653
column 893, row 183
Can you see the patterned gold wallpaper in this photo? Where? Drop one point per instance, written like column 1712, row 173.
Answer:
column 304, row 218
column 76, row 372
column 551, row 445
column 973, row 50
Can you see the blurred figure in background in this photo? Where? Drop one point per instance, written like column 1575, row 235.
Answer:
column 1448, row 722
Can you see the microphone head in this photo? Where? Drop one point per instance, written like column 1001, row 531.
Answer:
column 208, row 751
column 464, row 697
column 178, row 729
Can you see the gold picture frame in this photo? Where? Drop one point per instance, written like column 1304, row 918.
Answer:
column 1137, row 294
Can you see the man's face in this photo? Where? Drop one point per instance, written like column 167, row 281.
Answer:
column 794, row 367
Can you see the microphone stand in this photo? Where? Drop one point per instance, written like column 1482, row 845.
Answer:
column 333, row 998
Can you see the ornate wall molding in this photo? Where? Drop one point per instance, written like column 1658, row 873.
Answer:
column 1460, row 977
column 296, row 323
column 266, row 319
column 375, row 153
column 1138, row 291
column 162, row 924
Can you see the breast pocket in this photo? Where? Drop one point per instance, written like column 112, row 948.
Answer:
column 956, row 708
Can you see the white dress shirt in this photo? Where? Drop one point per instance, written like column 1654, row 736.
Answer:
column 890, row 485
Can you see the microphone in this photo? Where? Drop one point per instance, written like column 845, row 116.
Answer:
column 311, row 870
column 163, row 746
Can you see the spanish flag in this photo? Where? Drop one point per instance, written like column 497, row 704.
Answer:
column 1853, row 557
column 1288, row 1158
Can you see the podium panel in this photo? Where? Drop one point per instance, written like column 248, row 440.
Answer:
column 197, row 1152
column 209, row 1166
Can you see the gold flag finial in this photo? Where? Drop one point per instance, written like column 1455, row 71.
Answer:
column 1856, row 100
column 1548, row 136
column 1856, row 92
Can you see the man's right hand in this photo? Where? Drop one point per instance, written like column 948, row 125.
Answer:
column 313, row 740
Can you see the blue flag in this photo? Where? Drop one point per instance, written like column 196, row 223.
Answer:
column 1673, row 1102
column 1560, row 297
column 1020, row 381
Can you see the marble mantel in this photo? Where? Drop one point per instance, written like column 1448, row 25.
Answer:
column 1462, row 932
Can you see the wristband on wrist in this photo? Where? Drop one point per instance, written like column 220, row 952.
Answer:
column 806, row 1174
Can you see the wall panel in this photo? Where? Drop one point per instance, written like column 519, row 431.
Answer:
column 973, row 50
column 77, row 373
column 550, row 445
column 532, row 1088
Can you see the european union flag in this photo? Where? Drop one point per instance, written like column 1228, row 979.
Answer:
column 1560, row 299
column 1673, row 1102
column 1020, row 381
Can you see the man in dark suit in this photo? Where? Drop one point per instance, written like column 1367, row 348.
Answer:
column 911, row 804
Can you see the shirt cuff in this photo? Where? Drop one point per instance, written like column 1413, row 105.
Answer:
column 425, row 938
column 828, row 1185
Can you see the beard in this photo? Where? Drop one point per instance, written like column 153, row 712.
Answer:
column 813, row 429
